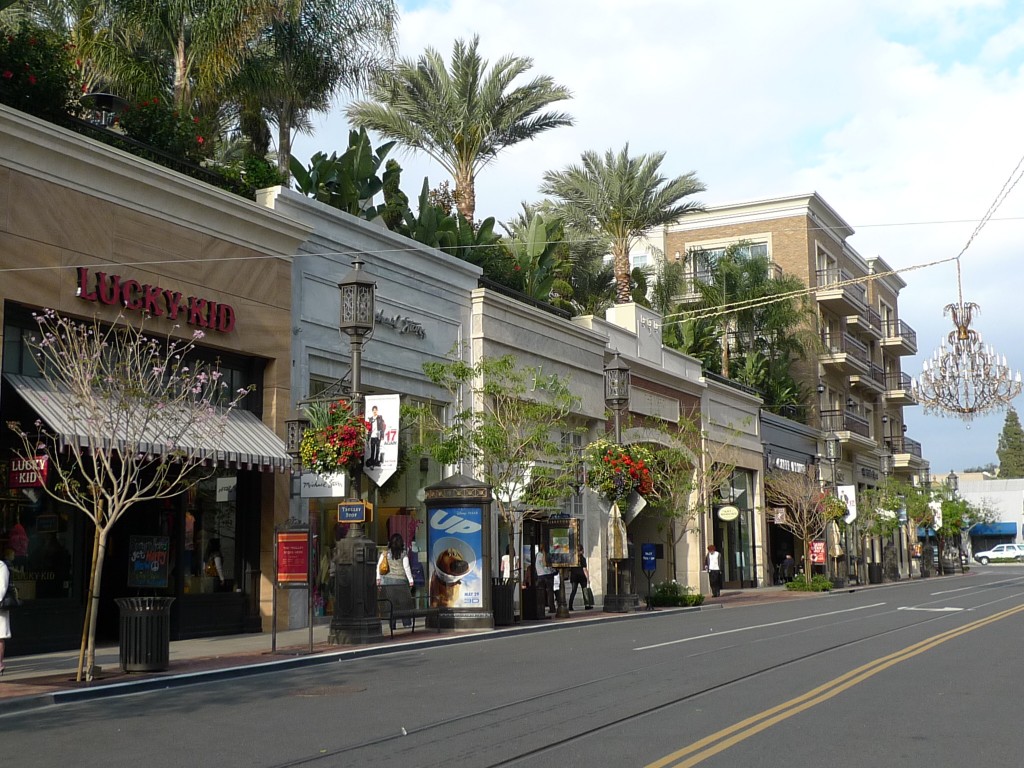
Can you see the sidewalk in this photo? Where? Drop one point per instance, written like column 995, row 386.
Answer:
column 49, row 678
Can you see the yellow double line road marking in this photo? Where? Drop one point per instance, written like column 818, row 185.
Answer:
column 718, row 742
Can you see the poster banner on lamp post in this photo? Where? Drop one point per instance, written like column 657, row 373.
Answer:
column 380, row 459
column 848, row 495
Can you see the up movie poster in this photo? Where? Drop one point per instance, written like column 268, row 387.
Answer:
column 455, row 543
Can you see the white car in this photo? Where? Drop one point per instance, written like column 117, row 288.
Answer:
column 1001, row 552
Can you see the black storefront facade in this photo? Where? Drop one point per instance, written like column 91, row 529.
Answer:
column 788, row 447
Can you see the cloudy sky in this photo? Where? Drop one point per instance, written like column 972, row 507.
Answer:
column 908, row 118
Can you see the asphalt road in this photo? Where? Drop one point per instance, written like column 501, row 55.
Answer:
column 919, row 674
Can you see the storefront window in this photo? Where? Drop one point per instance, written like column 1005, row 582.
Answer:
column 36, row 541
column 211, row 554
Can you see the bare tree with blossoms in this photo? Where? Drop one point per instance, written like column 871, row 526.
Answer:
column 137, row 417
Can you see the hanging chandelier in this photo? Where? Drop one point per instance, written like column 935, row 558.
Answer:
column 966, row 378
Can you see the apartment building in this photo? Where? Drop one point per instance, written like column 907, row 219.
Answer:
column 859, row 390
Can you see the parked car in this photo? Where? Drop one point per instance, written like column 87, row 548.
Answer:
column 1001, row 552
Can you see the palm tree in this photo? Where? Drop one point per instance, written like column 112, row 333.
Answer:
column 462, row 117
column 621, row 197
column 304, row 57
column 196, row 46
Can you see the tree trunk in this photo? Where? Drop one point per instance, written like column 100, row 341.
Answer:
column 93, row 607
column 284, row 142
column 623, row 292
column 465, row 195
column 181, row 90
column 86, row 622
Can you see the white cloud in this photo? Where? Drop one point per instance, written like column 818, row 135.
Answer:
column 905, row 116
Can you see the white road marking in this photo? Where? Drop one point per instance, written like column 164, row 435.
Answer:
column 712, row 633
column 930, row 610
column 951, row 591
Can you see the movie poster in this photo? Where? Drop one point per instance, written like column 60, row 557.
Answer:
column 455, row 543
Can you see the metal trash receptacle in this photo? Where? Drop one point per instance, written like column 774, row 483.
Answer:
column 874, row 573
column 145, row 633
column 502, row 596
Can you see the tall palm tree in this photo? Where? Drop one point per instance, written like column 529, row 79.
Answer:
column 305, row 56
column 462, row 117
column 195, row 45
column 621, row 197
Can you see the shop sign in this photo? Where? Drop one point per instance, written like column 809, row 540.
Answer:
column 353, row 511
column 728, row 513
column 818, row 552
column 28, row 473
column 648, row 558
column 788, row 465
column 316, row 486
column 292, row 548
column 403, row 325
column 114, row 290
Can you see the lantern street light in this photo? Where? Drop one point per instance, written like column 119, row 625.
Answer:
column 616, row 397
column 833, row 450
column 355, row 617
column 616, row 391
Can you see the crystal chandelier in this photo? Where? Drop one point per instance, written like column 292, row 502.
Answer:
column 967, row 378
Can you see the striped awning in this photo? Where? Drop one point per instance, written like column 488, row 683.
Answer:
column 244, row 441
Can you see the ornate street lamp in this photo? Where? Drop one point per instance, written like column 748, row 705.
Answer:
column 953, row 482
column 616, row 398
column 616, row 391
column 355, row 617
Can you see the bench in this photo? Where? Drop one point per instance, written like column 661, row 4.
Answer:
column 396, row 604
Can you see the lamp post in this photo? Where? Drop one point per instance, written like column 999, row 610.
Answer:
column 953, row 483
column 616, row 398
column 355, row 617
column 616, row 391
column 833, row 449
column 885, row 465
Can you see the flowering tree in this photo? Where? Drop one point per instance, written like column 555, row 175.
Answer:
column 137, row 417
column 808, row 509
column 510, row 434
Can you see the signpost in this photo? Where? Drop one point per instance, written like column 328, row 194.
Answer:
column 293, row 569
column 649, row 563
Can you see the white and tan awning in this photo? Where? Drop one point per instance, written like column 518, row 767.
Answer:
column 244, row 442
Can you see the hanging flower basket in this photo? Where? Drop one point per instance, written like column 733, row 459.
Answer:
column 615, row 471
column 335, row 440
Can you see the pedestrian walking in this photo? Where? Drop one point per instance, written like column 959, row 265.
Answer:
column 579, row 577
column 713, row 565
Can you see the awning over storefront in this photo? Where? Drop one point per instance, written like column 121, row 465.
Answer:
column 994, row 529
column 245, row 441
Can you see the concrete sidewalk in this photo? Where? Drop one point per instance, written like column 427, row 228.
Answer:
column 49, row 678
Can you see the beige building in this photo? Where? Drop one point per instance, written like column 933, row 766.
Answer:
column 856, row 373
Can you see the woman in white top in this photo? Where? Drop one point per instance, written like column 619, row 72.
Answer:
column 393, row 564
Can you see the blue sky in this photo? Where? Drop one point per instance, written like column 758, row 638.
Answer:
column 906, row 117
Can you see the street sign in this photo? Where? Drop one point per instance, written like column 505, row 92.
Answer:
column 648, row 558
column 353, row 511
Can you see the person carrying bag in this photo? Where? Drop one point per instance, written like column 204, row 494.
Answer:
column 579, row 576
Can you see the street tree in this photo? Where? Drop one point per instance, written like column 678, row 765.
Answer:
column 803, row 508
column 689, row 471
column 138, row 415
column 462, row 116
column 620, row 197
column 1011, row 447
column 506, row 433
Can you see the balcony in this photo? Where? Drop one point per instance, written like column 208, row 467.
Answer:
column 899, row 337
column 690, row 288
column 906, row 453
column 845, row 353
column 899, row 389
column 873, row 381
column 845, row 424
column 867, row 325
column 842, row 299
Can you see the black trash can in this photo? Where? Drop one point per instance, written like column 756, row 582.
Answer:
column 874, row 573
column 501, row 602
column 145, row 633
